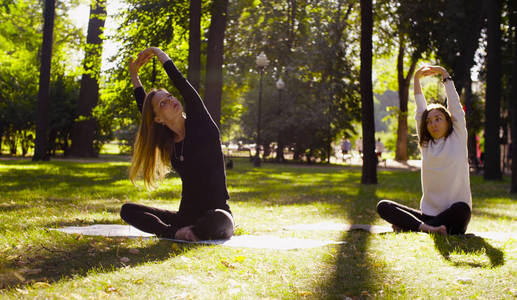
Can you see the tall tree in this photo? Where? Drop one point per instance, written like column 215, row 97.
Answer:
column 401, row 153
column 41, row 147
column 459, row 39
column 471, row 137
column 513, row 104
column 369, row 171
column 194, row 50
column 412, row 26
column 492, row 160
column 83, row 132
column 214, row 59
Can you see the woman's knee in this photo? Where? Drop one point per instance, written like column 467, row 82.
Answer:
column 461, row 209
column 215, row 224
column 462, row 218
column 126, row 210
column 383, row 206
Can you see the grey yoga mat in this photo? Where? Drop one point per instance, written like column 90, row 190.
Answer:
column 500, row 236
column 239, row 241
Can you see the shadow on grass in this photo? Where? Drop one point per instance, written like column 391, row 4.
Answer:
column 354, row 274
column 468, row 250
column 59, row 176
column 82, row 255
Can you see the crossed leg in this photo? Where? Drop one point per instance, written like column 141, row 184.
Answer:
column 453, row 220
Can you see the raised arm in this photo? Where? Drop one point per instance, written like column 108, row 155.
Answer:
column 194, row 106
column 134, row 67
column 421, row 104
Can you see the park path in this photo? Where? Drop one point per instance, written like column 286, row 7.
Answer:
column 355, row 161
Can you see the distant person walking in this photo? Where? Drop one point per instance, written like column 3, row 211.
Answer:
column 379, row 148
column 346, row 145
column 446, row 203
column 359, row 146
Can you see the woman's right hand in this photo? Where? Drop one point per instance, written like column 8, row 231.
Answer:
column 429, row 71
column 135, row 65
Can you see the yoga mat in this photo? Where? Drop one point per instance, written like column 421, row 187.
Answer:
column 111, row 230
column 500, row 236
column 239, row 241
column 340, row 227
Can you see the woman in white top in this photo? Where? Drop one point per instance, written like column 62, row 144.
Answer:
column 446, row 202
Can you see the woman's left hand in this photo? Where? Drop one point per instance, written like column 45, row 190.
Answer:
column 154, row 51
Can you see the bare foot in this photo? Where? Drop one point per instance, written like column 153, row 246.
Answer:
column 433, row 229
column 186, row 233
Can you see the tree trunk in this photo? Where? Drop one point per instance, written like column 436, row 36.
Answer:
column 369, row 172
column 291, row 20
column 401, row 153
column 214, row 59
column 280, row 141
column 513, row 107
column 194, row 41
column 493, row 94
column 83, row 132
column 471, row 140
column 1, row 138
column 464, row 63
column 41, row 144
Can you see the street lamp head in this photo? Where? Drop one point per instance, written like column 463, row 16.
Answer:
column 280, row 84
column 262, row 61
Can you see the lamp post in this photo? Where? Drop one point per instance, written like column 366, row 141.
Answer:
column 280, row 147
column 262, row 62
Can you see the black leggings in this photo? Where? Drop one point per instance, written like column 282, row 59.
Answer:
column 213, row 225
column 455, row 218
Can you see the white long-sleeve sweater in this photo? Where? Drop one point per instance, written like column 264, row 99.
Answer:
column 445, row 168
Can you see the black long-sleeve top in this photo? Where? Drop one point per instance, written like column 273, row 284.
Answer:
column 202, row 170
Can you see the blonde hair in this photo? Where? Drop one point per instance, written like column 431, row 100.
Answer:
column 153, row 149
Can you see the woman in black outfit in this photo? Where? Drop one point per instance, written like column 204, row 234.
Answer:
column 189, row 141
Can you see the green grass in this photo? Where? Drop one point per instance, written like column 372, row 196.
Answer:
column 39, row 263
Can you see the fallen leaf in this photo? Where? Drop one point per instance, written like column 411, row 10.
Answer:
column 41, row 285
column 228, row 264
column 22, row 291
column 110, row 289
column 12, row 257
column 304, row 293
column 19, row 276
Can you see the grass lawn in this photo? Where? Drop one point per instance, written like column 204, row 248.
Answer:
column 38, row 263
